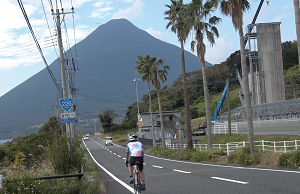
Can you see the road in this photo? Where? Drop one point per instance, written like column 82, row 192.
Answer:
column 173, row 176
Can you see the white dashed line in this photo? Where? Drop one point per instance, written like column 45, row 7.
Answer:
column 115, row 154
column 229, row 180
column 157, row 166
column 119, row 156
column 182, row 171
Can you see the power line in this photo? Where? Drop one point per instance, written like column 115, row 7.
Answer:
column 38, row 46
column 48, row 27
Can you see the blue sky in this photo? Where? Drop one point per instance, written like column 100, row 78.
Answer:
column 19, row 58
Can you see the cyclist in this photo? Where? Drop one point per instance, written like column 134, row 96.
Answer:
column 135, row 152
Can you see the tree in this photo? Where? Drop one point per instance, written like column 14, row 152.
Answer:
column 297, row 21
column 53, row 125
column 144, row 68
column 200, row 13
column 177, row 16
column 235, row 9
column 160, row 74
column 106, row 117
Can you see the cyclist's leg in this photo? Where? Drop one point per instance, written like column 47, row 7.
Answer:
column 131, row 162
column 141, row 168
column 142, row 175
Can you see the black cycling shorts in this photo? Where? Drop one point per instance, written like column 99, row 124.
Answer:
column 132, row 161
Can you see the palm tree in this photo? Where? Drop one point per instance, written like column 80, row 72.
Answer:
column 297, row 21
column 160, row 74
column 144, row 68
column 200, row 13
column 177, row 16
column 235, row 9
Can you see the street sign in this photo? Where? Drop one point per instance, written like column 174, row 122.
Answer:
column 66, row 103
column 138, row 124
column 141, row 123
column 68, row 121
column 68, row 115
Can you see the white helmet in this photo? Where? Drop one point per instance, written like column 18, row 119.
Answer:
column 133, row 138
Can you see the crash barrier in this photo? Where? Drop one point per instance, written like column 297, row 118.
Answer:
column 79, row 176
column 275, row 146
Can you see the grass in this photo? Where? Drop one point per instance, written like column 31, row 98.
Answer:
column 242, row 156
column 18, row 179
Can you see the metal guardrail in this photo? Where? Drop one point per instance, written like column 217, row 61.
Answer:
column 79, row 176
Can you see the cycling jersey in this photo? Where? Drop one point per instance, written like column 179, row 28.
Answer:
column 135, row 149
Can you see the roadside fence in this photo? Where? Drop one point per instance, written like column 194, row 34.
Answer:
column 275, row 146
column 223, row 129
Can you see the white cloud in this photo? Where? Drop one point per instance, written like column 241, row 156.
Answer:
column 157, row 34
column 132, row 12
column 280, row 17
column 102, row 11
column 25, row 60
column 220, row 51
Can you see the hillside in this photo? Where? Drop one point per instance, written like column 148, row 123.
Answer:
column 105, row 79
column 172, row 97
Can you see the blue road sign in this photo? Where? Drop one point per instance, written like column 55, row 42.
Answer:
column 68, row 121
column 66, row 103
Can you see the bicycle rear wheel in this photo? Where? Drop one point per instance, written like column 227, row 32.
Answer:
column 137, row 183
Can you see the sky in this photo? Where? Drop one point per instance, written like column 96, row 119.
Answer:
column 20, row 59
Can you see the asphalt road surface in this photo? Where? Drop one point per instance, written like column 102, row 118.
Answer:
column 166, row 176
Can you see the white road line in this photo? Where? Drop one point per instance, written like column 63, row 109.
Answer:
column 115, row 154
column 157, row 166
column 220, row 166
column 229, row 180
column 109, row 173
column 110, row 151
column 124, row 158
column 182, row 171
column 225, row 166
column 119, row 156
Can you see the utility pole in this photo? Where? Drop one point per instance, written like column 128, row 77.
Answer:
column 137, row 104
column 71, row 95
column 62, row 62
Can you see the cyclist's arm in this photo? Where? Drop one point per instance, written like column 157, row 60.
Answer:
column 127, row 156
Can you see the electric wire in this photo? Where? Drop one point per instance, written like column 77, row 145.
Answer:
column 20, row 51
column 38, row 46
column 74, row 34
column 48, row 27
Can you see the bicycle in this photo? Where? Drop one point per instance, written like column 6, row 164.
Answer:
column 136, row 178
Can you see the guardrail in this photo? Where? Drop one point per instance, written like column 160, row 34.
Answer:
column 275, row 146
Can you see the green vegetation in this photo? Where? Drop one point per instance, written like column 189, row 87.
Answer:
column 291, row 160
column 185, row 154
column 242, row 156
column 47, row 154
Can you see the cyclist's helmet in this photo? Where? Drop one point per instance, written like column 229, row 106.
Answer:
column 133, row 138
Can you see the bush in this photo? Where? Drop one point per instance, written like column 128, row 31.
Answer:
column 24, row 182
column 243, row 156
column 185, row 154
column 63, row 159
column 291, row 160
column 31, row 146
